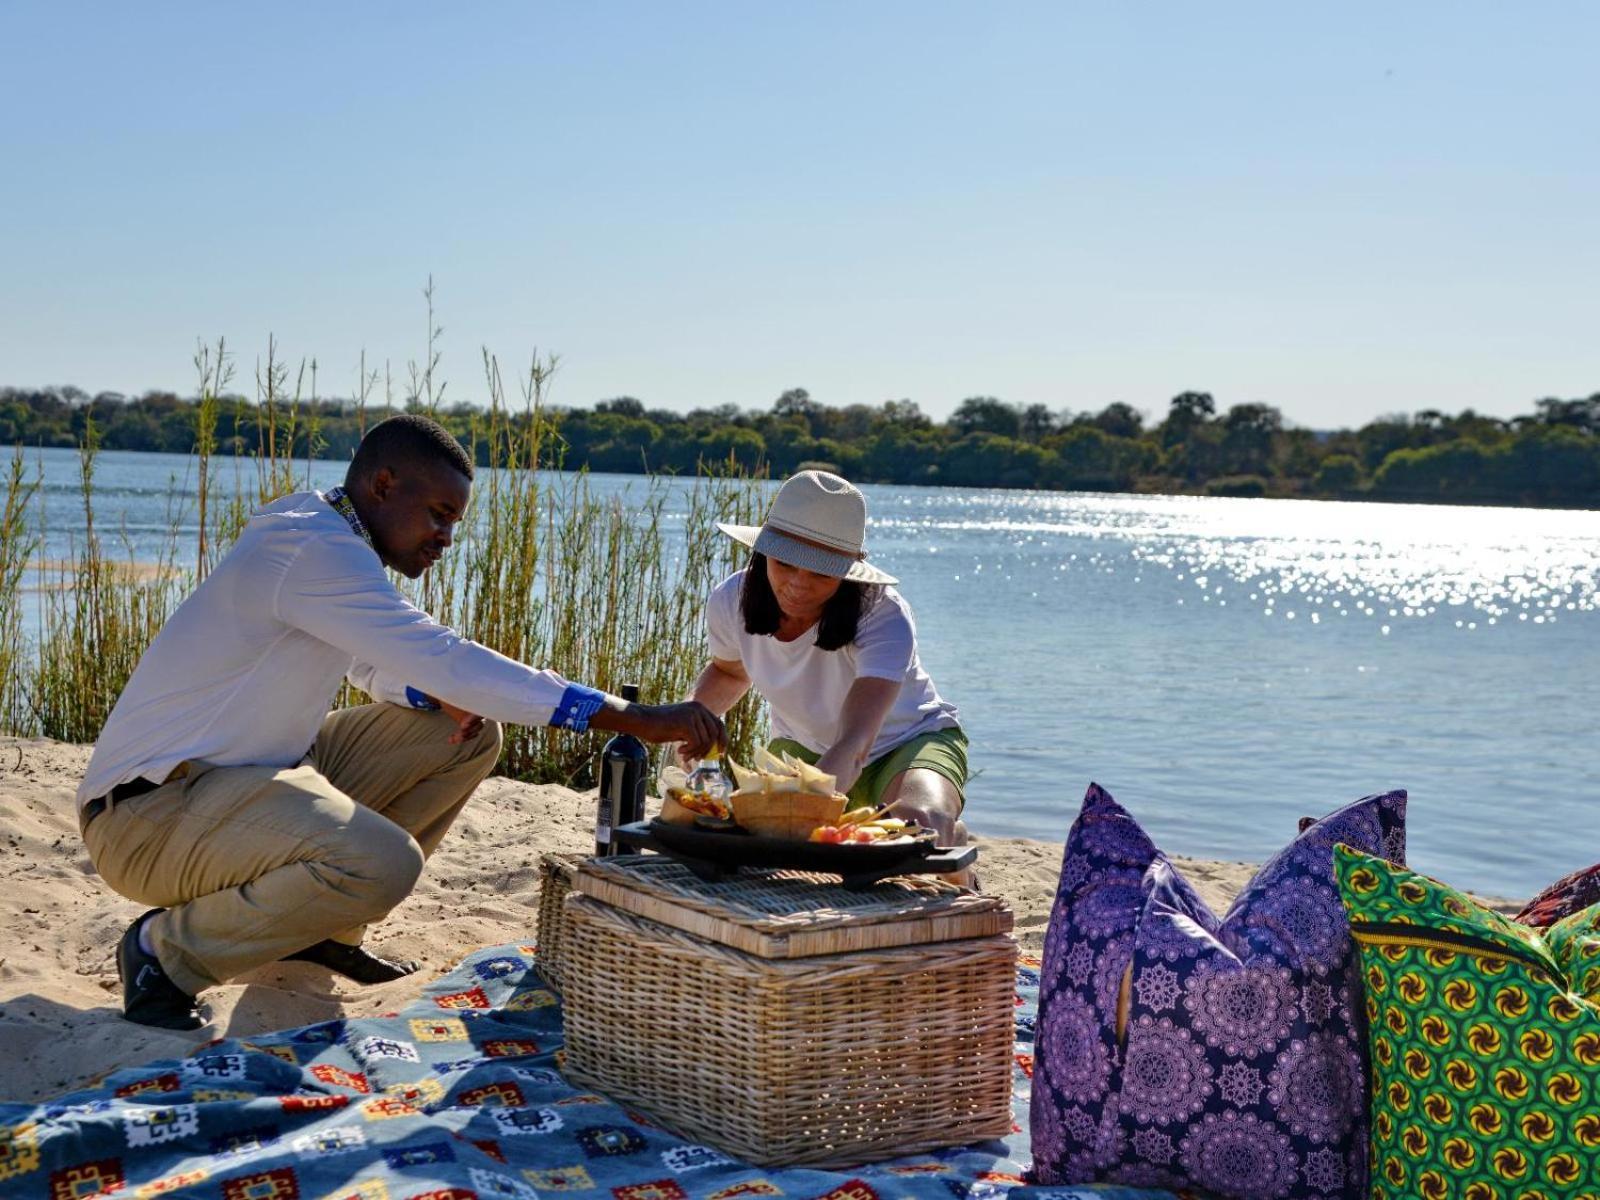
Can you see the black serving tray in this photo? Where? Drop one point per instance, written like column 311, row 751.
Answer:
column 715, row 853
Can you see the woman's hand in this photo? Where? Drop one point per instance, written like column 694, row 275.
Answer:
column 865, row 705
column 844, row 761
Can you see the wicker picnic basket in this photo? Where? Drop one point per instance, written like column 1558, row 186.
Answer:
column 556, row 874
column 825, row 1059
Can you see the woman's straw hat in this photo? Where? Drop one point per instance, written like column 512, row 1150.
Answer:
column 819, row 522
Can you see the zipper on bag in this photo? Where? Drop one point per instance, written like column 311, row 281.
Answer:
column 1398, row 933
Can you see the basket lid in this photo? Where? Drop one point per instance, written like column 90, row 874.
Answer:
column 779, row 913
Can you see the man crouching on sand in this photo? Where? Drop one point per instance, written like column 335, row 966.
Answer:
column 264, row 827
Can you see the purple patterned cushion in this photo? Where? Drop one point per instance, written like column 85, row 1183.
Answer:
column 1176, row 1050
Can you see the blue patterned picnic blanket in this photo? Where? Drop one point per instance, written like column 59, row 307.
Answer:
column 457, row 1097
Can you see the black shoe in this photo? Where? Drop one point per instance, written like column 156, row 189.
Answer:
column 353, row 962
column 148, row 996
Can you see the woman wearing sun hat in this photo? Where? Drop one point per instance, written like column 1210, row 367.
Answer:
column 831, row 645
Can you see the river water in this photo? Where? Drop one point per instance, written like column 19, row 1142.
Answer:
column 1223, row 666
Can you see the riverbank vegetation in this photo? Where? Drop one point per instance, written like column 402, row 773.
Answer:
column 1548, row 457
column 544, row 570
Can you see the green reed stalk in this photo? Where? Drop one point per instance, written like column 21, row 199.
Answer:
column 215, row 370
column 18, row 543
column 97, row 618
column 546, row 572
column 606, row 592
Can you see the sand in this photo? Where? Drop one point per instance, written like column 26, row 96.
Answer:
column 60, row 1004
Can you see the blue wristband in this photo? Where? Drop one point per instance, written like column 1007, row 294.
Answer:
column 578, row 704
column 420, row 699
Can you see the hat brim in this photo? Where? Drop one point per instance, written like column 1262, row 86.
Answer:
column 775, row 544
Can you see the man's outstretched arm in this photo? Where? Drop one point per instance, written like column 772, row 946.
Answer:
column 690, row 722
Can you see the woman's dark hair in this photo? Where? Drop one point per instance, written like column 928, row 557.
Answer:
column 841, row 615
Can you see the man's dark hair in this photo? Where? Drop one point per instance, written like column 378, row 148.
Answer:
column 841, row 615
column 406, row 439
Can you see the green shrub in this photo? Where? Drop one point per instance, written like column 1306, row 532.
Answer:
column 1338, row 473
column 1237, row 485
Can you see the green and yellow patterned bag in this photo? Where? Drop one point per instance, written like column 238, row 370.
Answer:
column 1485, row 1039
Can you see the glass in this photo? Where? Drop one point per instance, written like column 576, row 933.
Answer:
column 709, row 779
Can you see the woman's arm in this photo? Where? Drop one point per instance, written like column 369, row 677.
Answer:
column 866, row 705
column 719, row 688
column 721, row 685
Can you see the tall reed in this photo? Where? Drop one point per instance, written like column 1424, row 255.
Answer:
column 545, row 570
column 98, row 614
column 18, row 544
column 605, row 591
column 215, row 371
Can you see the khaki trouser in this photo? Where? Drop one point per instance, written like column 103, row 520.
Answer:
column 253, row 863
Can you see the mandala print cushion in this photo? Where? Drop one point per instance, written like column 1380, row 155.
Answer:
column 1177, row 1050
column 1485, row 1041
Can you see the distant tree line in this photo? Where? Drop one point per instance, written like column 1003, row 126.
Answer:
column 1550, row 457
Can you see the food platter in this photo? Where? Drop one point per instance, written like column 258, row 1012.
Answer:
column 785, row 814
column 714, row 853
column 733, row 847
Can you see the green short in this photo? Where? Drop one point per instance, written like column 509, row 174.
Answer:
column 943, row 750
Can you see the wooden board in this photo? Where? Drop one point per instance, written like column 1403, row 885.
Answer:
column 792, row 914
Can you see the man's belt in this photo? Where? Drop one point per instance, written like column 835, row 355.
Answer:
column 127, row 791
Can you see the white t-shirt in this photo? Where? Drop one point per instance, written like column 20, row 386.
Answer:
column 244, row 672
column 805, row 687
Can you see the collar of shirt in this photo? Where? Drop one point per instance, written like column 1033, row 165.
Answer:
column 339, row 500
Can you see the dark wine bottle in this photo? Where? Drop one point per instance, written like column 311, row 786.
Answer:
column 624, row 769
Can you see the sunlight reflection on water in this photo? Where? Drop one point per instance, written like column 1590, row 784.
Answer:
column 1401, row 562
column 1221, row 664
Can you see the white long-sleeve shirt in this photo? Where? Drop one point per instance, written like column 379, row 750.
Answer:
column 245, row 670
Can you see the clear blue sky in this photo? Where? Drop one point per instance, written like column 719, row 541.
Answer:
column 1343, row 210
